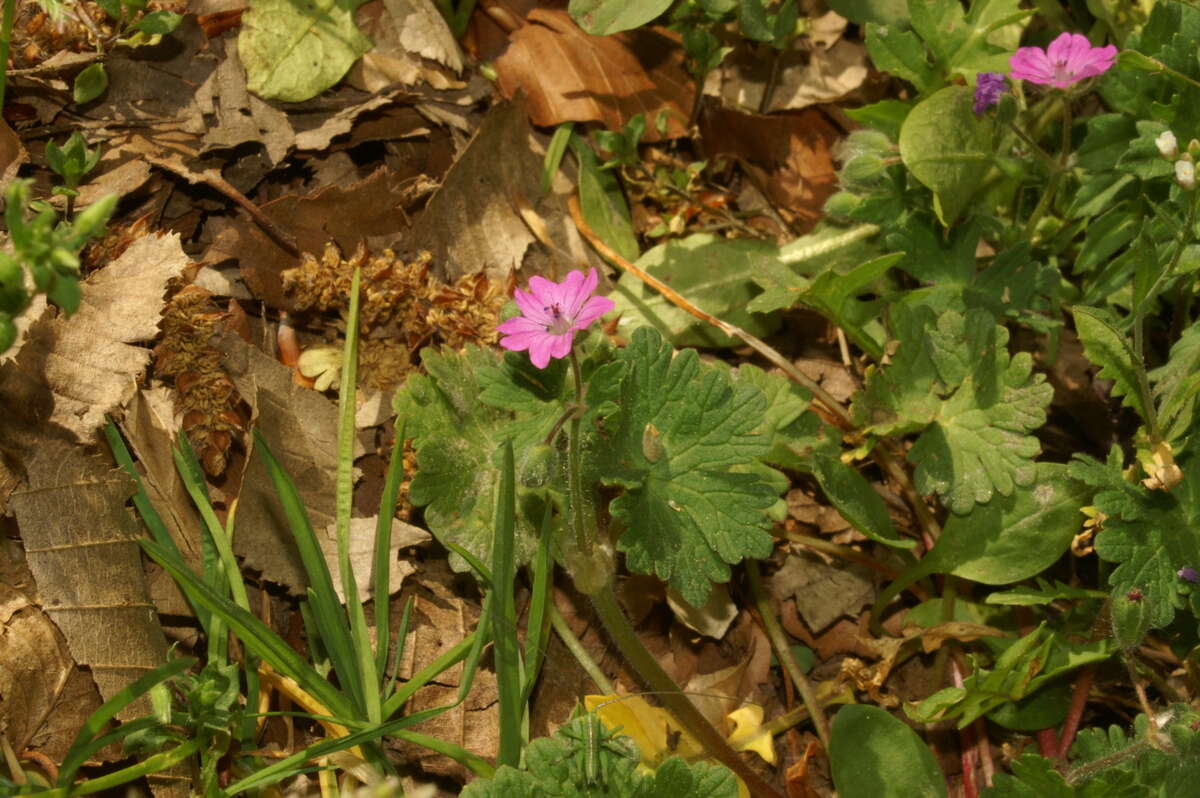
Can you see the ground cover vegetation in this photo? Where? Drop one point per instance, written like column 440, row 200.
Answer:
column 655, row 398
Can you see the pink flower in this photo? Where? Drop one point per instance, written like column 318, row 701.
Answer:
column 1069, row 59
column 551, row 313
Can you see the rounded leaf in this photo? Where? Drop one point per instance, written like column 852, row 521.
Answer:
column 90, row 83
column 947, row 148
column 874, row 755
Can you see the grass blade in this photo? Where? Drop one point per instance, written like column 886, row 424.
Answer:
column 360, row 638
column 109, row 709
column 504, row 615
column 327, row 611
column 539, row 616
column 383, row 554
column 256, row 635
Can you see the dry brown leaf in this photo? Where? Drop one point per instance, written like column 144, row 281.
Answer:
column 824, row 592
column 571, row 76
column 81, row 544
column 438, row 624
column 12, row 154
column 87, row 360
column 149, row 427
column 472, row 223
column 821, row 68
column 711, row 620
column 236, row 115
column 300, row 426
column 408, row 36
column 371, row 208
column 362, row 555
column 788, row 156
column 44, row 696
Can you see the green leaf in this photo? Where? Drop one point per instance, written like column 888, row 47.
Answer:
column 292, row 50
column 1033, row 776
column 975, row 403
column 715, row 274
column 458, row 415
column 947, row 148
column 606, row 17
column 892, row 13
column 602, row 202
column 857, row 501
column 689, row 515
column 158, row 23
column 90, row 83
column 1044, row 593
column 901, row 53
column 1177, row 385
column 1012, row 537
column 1152, row 534
column 1107, row 347
column 874, row 755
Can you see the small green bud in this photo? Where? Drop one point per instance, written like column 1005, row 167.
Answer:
column 864, row 166
column 842, row 203
column 1130, row 618
column 537, row 466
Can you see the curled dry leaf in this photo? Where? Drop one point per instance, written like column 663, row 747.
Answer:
column 570, row 76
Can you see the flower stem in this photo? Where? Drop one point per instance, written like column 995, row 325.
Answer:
column 783, row 653
column 656, row 679
column 1056, row 178
column 583, row 541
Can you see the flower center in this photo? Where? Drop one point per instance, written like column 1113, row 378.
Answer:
column 1061, row 72
column 560, row 324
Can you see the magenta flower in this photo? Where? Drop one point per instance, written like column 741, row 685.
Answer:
column 551, row 313
column 1069, row 59
column 1188, row 574
column 988, row 88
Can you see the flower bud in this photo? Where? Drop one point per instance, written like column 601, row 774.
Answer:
column 842, row 203
column 1130, row 616
column 863, row 167
column 1185, row 174
column 1167, row 145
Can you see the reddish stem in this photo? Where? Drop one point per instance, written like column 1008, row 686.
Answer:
column 1083, row 686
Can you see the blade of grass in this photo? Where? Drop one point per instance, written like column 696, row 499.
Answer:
column 285, row 767
column 538, row 630
column 109, row 709
column 254, row 634
column 471, row 663
column 151, row 764
column 326, row 609
column 360, row 636
column 398, row 654
column 448, row 659
column 507, row 656
column 383, row 554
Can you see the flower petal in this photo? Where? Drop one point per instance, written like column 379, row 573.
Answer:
column 1067, row 49
column 541, row 348
column 593, row 309
column 518, row 325
column 1031, row 63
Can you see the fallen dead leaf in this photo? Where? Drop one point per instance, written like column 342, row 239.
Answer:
column 822, row 67
column 12, row 155
column 823, row 591
column 81, row 544
column 412, row 44
column 788, row 156
column 370, row 208
column 87, row 360
column 300, row 426
column 44, row 696
column 571, row 76
column 362, row 555
column 711, row 620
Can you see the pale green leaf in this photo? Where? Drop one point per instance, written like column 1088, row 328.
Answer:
column 1108, row 348
column 714, row 273
column 874, row 755
column 292, row 50
column 947, row 148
